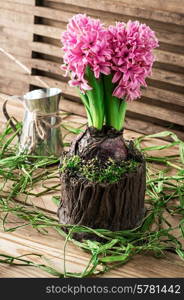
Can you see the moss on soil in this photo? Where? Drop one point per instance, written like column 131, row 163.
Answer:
column 95, row 171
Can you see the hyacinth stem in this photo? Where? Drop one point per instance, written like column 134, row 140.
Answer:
column 111, row 112
column 85, row 101
column 100, row 104
column 122, row 113
column 95, row 103
column 115, row 109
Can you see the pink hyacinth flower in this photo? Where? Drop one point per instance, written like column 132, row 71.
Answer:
column 132, row 57
column 85, row 43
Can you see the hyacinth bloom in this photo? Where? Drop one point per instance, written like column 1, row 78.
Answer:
column 85, row 44
column 108, row 65
column 132, row 57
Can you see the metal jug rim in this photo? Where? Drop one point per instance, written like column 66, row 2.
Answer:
column 43, row 93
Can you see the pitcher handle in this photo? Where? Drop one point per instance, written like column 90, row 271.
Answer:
column 9, row 119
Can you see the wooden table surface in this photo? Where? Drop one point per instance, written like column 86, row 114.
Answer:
column 27, row 240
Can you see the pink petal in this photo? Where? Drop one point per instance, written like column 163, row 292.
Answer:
column 116, row 77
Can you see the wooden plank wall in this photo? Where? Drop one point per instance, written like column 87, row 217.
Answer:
column 16, row 31
column 39, row 25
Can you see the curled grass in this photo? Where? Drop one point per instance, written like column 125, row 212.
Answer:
column 154, row 236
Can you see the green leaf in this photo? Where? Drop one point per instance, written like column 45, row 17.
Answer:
column 148, row 222
column 180, row 252
column 108, row 245
column 56, row 200
column 72, row 129
column 121, row 258
column 95, row 99
column 85, row 101
column 181, row 149
column 115, row 108
column 181, row 227
column 162, row 147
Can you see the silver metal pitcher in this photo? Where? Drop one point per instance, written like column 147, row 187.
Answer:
column 41, row 131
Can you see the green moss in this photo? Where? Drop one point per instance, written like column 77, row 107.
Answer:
column 95, row 171
column 71, row 163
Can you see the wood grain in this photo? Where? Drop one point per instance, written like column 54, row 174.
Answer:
column 23, row 21
column 121, row 7
column 171, row 5
column 176, row 39
column 18, row 33
column 27, row 240
column 51, row 246
column 161, row 55
column 30, row 2
column 76, row 108
column 15, row 45
column 15, row 19
column 62, row 16
column 157, row 74
column 135, row 107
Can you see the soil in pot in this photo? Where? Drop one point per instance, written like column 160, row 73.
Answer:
column 102, row 188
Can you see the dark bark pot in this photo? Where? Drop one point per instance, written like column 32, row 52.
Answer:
column 113, row 206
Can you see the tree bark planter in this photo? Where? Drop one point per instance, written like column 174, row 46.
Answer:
column 113, row 206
